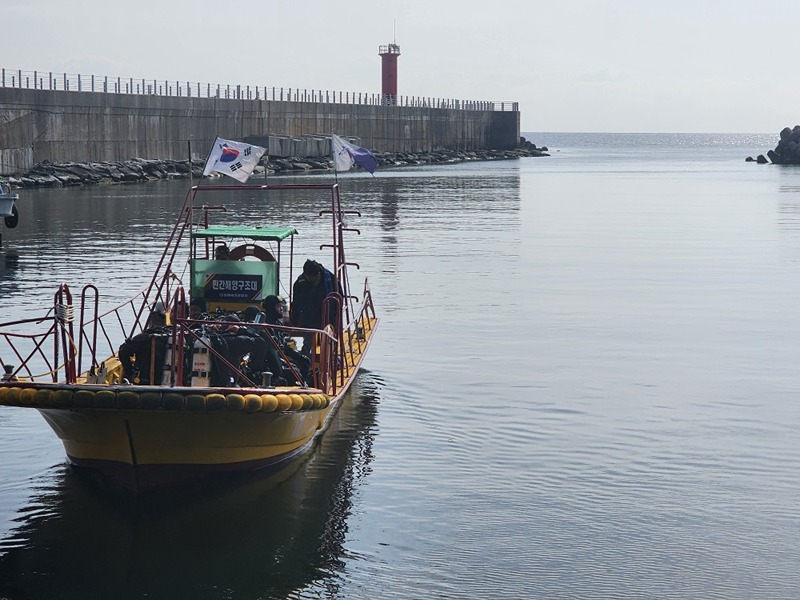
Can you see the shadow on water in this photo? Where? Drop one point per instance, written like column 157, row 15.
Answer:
column 9, row 264
column 275, row 537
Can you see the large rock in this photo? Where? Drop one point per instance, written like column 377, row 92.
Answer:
column 787, row 152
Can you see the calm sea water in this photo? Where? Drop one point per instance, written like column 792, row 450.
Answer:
column 584, row 385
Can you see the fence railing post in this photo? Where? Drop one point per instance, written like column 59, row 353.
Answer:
column 21, row 79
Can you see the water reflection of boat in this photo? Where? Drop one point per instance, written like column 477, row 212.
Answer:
column 184, row 397
column 263, row 538
column 9, row 263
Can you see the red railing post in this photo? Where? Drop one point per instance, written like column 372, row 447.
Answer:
column 65, row 327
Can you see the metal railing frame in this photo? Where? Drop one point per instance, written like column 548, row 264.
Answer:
column 70, row 82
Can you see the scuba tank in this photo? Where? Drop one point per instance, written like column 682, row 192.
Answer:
column 166, row 377
column 201, row 362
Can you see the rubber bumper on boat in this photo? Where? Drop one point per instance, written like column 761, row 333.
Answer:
column 70, row 397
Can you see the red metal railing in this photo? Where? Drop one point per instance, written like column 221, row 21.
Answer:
column 99, row 336
column 103, row 333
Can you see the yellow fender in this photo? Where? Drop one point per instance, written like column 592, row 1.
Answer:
column 27, row 396
column 284, row 402
column 235, row 402
column 127, row 400
column 216, row 401
column 172, row 401
column 150, row 400
column 82, row 398
column 62, row 398
column 297, row 401
column 44, row 398
column 195, row 402
column 269, row 402
column 253, row 403
column 11, row 395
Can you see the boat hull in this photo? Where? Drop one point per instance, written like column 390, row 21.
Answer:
column 150, row 448
column 7, row 204
column 146, row 436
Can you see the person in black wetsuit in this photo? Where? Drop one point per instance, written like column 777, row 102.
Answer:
column 274, row 308
column 142, row 356
column 197, row 309
column 222, row 252
column 234, row 340
column 308, row 294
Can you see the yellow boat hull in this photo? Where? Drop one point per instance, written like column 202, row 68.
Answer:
column 148, row 448
column 144, row 436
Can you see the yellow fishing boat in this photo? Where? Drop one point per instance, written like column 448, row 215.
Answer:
column 188, row 378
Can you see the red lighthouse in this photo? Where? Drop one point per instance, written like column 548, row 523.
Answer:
column 389, row 56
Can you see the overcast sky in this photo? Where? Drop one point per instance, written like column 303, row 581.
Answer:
column 573, row 65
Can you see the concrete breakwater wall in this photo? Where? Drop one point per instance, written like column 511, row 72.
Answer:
column 93, row 127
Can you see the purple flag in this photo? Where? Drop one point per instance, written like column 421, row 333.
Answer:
column 345, row 155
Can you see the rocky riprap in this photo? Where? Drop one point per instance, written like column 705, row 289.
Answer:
column 787, row 152
column 47, row 174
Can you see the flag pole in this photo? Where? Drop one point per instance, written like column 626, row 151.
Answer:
column 191, row 172
column 333, row 158
column 191, row 183
column 205, row 164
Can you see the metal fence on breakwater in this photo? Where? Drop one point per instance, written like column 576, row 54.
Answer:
column 40, row 80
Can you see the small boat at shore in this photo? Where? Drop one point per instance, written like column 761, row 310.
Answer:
column 8, row 207
column 150, row 392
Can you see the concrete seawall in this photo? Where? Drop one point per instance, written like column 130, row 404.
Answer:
column 63, row 126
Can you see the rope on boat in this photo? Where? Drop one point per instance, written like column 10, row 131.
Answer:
column 74, row 397
column 46, row 373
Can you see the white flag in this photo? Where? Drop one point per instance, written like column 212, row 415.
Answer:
column 234, row 159
column 342, row 161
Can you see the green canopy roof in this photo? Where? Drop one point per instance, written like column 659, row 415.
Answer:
column 275, row 234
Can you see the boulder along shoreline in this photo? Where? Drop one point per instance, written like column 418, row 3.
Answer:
column 135, row 170
column 787, row 152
